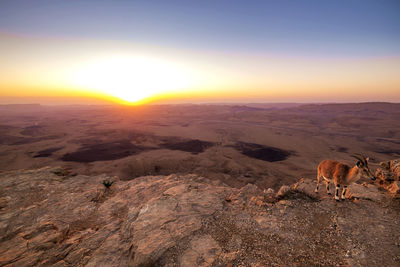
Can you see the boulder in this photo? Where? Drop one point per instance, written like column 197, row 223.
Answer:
column 394, row 187
column 282, row 191
column 388, row 176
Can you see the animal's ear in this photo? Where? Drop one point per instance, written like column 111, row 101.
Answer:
column 359, row 164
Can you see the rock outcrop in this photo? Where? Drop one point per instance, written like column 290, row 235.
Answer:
column 50, row 217
column 389, row 175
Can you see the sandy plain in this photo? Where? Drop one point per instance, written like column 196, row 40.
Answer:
column 265, row 144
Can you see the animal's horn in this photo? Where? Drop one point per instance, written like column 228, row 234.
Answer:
column 364, row 159
column 358, row 157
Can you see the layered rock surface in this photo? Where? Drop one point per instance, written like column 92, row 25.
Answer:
column 389, row 175
column 49, row 217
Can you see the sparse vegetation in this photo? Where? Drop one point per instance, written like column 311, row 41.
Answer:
column 107, row 183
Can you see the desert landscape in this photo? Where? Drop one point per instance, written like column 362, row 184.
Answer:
column 268, row 145
column 199, row 133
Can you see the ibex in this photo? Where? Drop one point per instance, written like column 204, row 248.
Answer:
column 343, row 175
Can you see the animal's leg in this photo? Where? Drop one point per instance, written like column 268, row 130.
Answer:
column 337, row 192
column 318, row 180
column 327, row 187
column 344, row 192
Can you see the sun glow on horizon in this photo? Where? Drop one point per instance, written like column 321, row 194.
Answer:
column 131, row 78
column 43, row 70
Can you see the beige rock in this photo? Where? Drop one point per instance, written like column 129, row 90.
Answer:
column 389, row 175
column 282, row 191
column 394, row 187
column 364, row 191
column 203, row 250
column 269, row 191
column 395, row 168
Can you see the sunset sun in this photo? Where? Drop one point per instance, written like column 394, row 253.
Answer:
column 131, row 78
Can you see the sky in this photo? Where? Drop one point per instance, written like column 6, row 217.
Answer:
column 57, row 52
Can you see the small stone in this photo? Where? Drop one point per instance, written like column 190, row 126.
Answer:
column 282, row 191
column 269, row 191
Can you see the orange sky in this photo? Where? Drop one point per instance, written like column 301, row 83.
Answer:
column 63, row 71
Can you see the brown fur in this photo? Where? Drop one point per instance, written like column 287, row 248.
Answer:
column 342, row 174
column 337, row 173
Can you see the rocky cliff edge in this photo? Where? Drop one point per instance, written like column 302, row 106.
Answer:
column 50, row 217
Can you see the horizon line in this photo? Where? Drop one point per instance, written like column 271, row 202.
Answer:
column 203, row 103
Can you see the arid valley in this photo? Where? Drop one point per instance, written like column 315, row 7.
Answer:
column 196, row 185
column 268, row 145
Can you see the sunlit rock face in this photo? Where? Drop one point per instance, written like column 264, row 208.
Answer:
column 388, row 175
column 55, row 217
